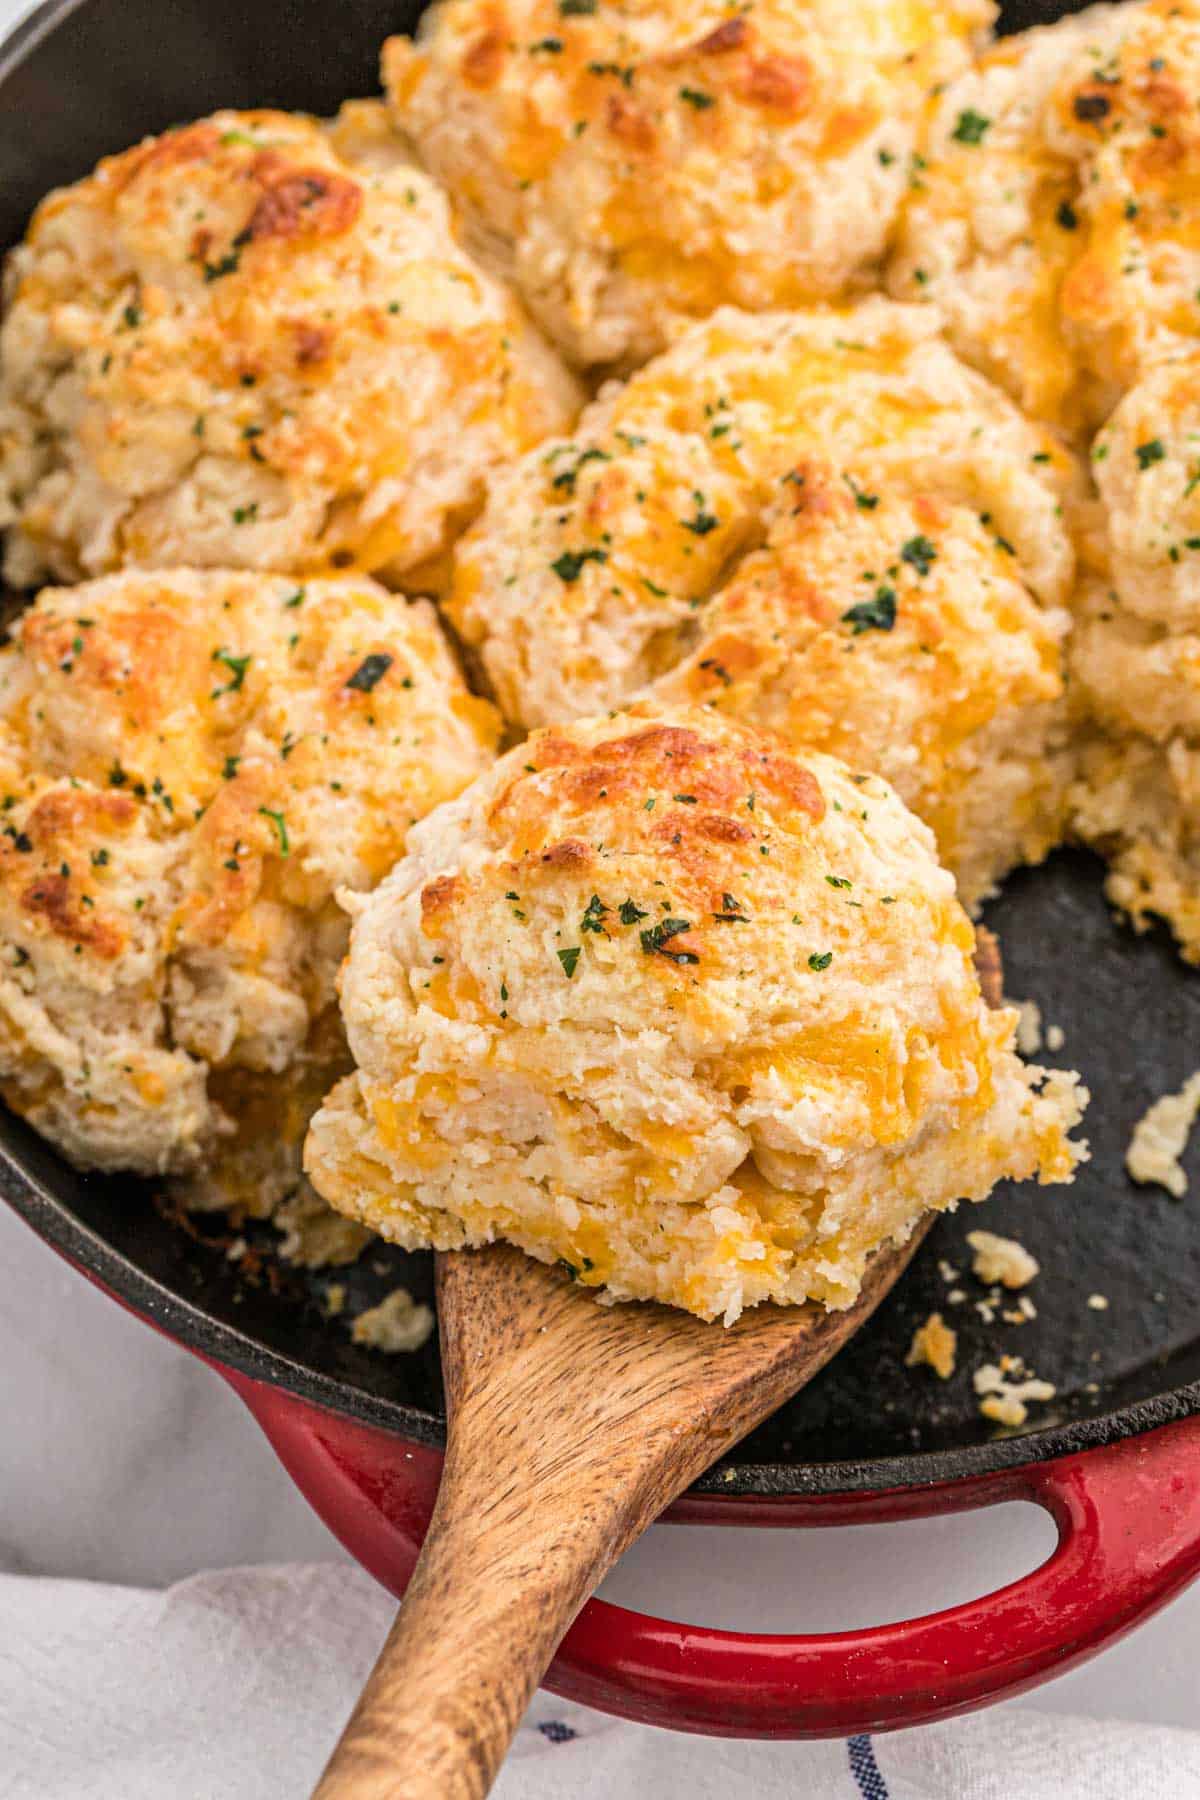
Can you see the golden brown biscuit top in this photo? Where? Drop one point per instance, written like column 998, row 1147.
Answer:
column 285, row 735
column 258, row 290
column 698, row 154
column 1130, row 121
column 668, row 859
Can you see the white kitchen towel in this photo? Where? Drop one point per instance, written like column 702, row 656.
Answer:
column 233, row 1686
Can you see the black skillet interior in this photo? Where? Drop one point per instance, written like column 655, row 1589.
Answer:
column 90, row 76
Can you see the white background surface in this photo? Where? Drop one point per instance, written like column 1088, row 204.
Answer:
column 122, row 1459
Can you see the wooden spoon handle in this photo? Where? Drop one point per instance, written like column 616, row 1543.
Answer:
column 572, row 1425
column 479, row 1624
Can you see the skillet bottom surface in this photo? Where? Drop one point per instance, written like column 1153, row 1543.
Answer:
column 1130, row 1013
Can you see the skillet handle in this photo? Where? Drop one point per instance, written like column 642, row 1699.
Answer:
column 1128, row 1516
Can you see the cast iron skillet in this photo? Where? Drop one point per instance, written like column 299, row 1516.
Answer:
column 84, row 77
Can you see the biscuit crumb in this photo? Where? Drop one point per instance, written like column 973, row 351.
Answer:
column 1056, row 1037
column 1001, row 1259
column 335, row 1299
column 314, row 1236
column 1029, row 1027
column 1004, row 1388
column 1160, row 1138
column 1098, row 1302
column 398, row 1323
column 934, row 1343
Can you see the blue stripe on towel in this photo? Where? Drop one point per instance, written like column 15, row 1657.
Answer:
column 557, row 1731
column 865, row 1769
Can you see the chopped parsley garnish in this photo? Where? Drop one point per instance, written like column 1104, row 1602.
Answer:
column 132, row 317
column 569, row 566
column 1067, row 217
column 277, row 819
column 574, row 9
column 569, row 960
column 1149, row 453
column 231, row 767
column 657, row 937
column 100, row 859
column 697, row 98
column 227, row 264
column 878, row 614
column 566, row 478
column 920, row 554
column 864, row 501
column 704, row 522
column 625, row 76
column 294, row 600
column 970, row 127
column 551, row 45
column 733, row 912
column 685, row 799
column 593, row 917
column 629, row 914
column 370, row 671
column 245, row 515
column 839, row 881
column 820, row 959
column 237, row 666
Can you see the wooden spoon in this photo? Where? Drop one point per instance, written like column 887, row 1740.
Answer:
column 571, row 1426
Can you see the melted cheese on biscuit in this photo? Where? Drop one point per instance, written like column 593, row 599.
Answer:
column 693, row 1014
